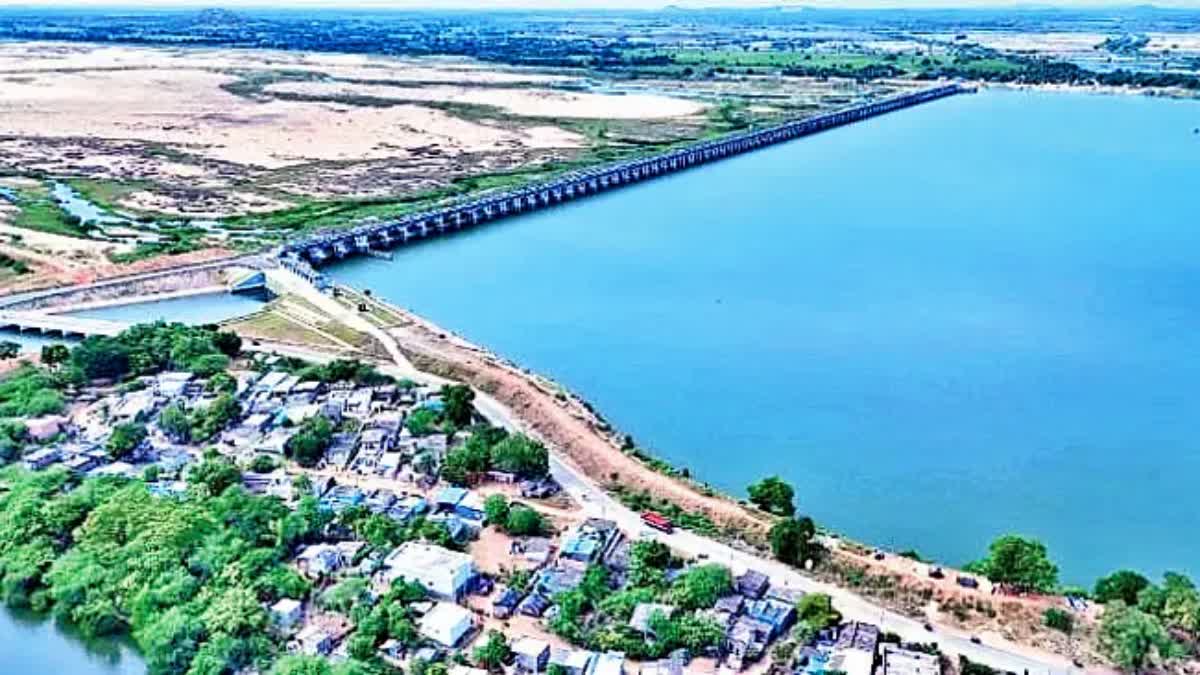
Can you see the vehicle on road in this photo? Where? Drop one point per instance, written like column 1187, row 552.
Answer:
column 975, row 639
column 658, row 521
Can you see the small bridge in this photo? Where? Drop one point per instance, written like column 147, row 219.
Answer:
column 60, row 325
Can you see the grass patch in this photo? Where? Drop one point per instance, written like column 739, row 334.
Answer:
column 105, row 193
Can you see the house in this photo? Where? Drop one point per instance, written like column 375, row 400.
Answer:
column 443, row 573
column 531, row 655
column 898, row 661
column 171, row 385
column 662, row 667
column 465, row 670
column 116, row 470
column 81, row 463
column 590, row 541
column 850, row 662
column 341, row 497
column 44, row 428
column 746, row 641
column 447, row 498
column 645, row 612
column 320, row 560
column 132, row 407
column 376, row 439
column 447, row 624
column 555, row 580
column 753, row 584
column 276, row 484
column 534, row 605
column 572, row 661
column 504, row 606
column 42, row 458
column 470, row 507
column 609, row 663
column 407, row 508
column 860, row 636
column 535, row 551
column 315, row 640
column 287, row 613
column 268, row 382
column 778, row 615
column 539, row 489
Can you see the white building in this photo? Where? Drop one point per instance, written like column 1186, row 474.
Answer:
column 287, row 613
column 532, row 654
column 897, row 661
column 608, row 663
column 446, row 624
column 443, row 573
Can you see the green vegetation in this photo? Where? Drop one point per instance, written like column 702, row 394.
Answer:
column 792, row 540
column 30, row 392
column 644, row 501
column 495, row 450
column 1123, row 585
column 457, row 400
column 308, row 445
column 493, row 653
column 814, row 613
column 187, row 579
column 517, row 519
column 1058, row 619
column 125, row 438
column 13, row 265
column 147, row 349
column 1018, row 562
column 774, row 496
column 1133, row 638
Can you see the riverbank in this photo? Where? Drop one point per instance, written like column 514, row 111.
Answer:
column 592, row 447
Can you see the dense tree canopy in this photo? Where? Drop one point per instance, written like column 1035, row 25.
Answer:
column 773, row 495
column 792, row 539
column 1019, row 562
column 1123, row 585
column 308, row 445
column 1132, row 638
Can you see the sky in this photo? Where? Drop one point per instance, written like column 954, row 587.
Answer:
column 591, row 4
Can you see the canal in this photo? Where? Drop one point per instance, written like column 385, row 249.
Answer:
column 957, row 321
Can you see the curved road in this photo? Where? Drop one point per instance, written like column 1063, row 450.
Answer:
column 596, row 502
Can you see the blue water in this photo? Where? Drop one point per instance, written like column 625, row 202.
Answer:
column 196, row 310
column 976, row 317
column 33, row 645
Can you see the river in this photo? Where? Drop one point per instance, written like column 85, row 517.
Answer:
column 975, row 317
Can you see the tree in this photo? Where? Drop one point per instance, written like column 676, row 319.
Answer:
column 101, row 357
column 228, row 344
column 816, row 611
column 792, row 539
column 219, row 414
column 175, row 423
column 221, row 383
column 308, row 445
column 521, row 455
column 1059, row 619
column 125, row 438
column 773, row 495
column 421, row 421
column 1133, row 638
column 456, row 399
column 55, row 355
column 493, row 654
column 214, row 475
column 9, row 350
column 1123, row 585
column 495, row 507
column 1180, row 603
column 524, row 522
column 263, row 464
column 701, row 586
column 1019, row 562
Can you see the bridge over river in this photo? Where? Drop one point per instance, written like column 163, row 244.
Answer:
column 303, row 255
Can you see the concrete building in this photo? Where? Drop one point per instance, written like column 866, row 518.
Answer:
column 897, row 661
column 447, row 624
column 287, row 613
column 443, row 573
column 532, row 655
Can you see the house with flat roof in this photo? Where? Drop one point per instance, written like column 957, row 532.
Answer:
column 895, row 660
column 573, row 661
column 447, row 624
column 441, row 572
column 287, row 613
column 532, row 655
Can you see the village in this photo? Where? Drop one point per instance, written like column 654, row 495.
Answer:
column 496, row 568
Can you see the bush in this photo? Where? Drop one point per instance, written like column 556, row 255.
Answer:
column 1058, row 619
column 524, row 522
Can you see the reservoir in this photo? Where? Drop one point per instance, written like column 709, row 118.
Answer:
column 975, row 317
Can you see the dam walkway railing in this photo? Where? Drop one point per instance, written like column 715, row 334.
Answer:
column 304, row 255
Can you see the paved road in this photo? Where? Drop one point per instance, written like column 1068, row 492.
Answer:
column 996, row 653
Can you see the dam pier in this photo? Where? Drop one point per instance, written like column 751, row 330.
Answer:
column 304, row 255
